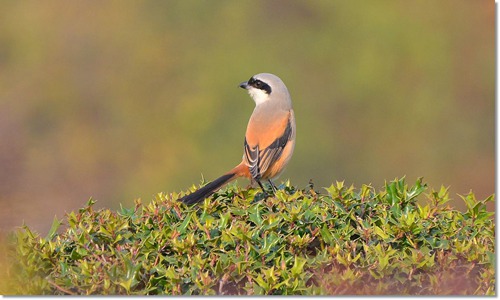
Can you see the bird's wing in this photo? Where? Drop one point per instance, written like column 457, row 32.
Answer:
column 260, row 159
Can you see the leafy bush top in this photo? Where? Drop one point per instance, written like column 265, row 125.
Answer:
column 341, row 241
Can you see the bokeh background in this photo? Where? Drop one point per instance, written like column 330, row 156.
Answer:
column 118, row 100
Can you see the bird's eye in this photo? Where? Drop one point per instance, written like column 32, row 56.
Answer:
column 258, row 84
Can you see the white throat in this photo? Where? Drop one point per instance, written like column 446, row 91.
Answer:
column 259, row 96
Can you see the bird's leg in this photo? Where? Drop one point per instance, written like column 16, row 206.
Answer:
column 261, row 186
column 264, row 192
column 273, row 187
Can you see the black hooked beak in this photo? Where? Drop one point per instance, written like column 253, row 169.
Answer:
column 244, row 85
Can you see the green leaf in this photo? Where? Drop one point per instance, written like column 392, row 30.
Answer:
column 182, row 228
column 53, row 229
column 380, row 233
column 298, row 266
column 254, row 214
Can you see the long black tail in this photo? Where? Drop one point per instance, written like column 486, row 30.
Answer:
column 207, row 190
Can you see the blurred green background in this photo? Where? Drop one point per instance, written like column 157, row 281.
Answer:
column 118, row 100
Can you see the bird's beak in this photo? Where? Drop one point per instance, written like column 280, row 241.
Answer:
column 244, row 85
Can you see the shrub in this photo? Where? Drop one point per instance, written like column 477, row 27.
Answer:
column 337, row 241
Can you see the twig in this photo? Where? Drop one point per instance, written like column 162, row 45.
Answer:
column 61, row 288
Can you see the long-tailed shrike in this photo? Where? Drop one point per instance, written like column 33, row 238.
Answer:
column 269, row 139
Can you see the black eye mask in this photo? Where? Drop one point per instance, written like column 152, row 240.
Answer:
column 261, row 85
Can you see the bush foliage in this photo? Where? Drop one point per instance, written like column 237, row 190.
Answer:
column 339, row 240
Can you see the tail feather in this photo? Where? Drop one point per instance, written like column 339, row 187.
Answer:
column 207, row 190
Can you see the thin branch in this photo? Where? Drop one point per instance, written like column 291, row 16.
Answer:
column 61, row 288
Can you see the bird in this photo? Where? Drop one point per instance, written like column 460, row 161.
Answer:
column 269, row 138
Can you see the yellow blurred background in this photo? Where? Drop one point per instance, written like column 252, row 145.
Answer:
column 118, row 100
